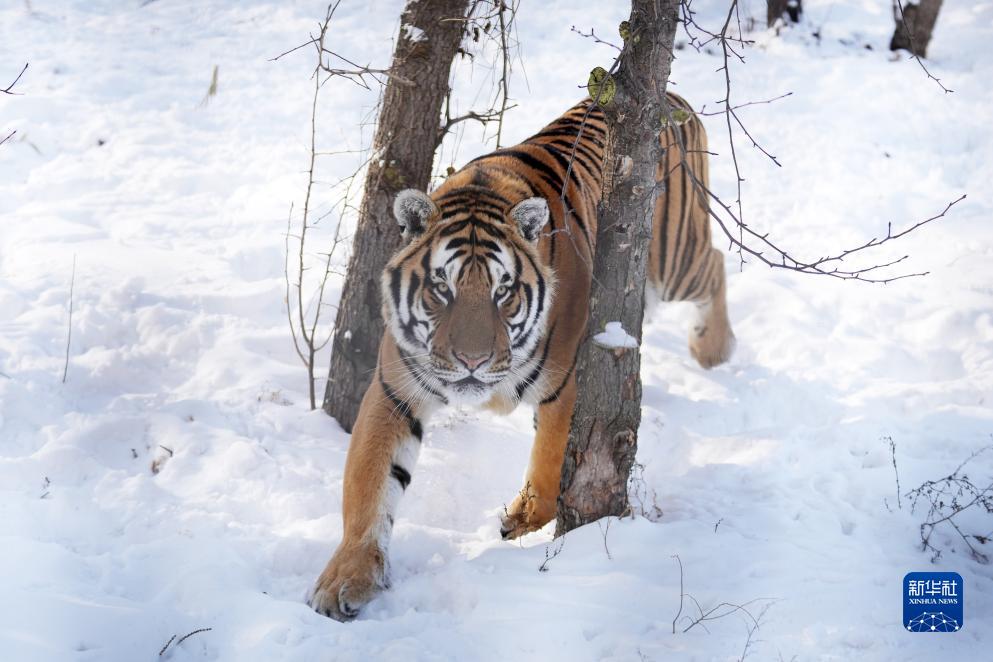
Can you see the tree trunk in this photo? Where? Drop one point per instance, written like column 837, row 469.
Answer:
column 604, row 431
column 404, row 145
column 774, row 9
column 914, row 26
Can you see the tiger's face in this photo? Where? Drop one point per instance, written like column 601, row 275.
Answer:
column 467, row 299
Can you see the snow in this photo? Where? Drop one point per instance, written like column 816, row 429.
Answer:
column 614, row 336
column 771, row 477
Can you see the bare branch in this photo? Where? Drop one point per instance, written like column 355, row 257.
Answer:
column 752, row 629
column 723, row 609
column 504, row 94
column 592, row 35
column 740, row 235
column 357, row 74
column 703, row 112
column 483, row 118
column 947, row 498
column 718, row 611
column 493, row 23
column 898, row 7
column 304, row 325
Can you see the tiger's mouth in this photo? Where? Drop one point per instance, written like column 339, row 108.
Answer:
column 468, row 383
column 470, row 386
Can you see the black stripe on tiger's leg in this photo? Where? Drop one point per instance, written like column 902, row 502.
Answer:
column 402, row 407
column 402, row 465
column 402, row 475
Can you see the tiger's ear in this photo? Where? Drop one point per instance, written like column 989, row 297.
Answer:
column 531, row 216
column 412, row 209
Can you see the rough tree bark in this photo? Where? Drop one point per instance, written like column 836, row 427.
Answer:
column 604, row 432
column 404, row 145
column 914, row 26
column 775, row 9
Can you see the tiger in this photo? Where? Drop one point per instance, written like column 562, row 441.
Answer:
column 486, row 304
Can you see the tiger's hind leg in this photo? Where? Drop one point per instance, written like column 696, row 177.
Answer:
column 711, row 338
column 683, row 264
column 701, row 281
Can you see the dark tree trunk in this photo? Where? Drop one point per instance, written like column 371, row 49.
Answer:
column 405, row 142
column 604, row 432
column 914, row 26
column 775, row 9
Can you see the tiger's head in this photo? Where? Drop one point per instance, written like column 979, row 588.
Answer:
column 467, row 298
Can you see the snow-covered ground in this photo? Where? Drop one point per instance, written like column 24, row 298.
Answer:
column 771, row 477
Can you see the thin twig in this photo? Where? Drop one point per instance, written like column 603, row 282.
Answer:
column 721, row 610
column 913, row 53
column 10, row 88
column 682, row 593
column 492, row 22
column 592, row 35
column 703, row 113
column 482, row 118
column 604, row 531
column 505, row 64
column 896, row 471
column 181, row 639
column 72, row 286
column 304, row 329
column 548, row 557
column 162, row 652
column 357, row 73
column 752, row 629
column 187, row 636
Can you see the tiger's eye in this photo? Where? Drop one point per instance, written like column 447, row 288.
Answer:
column 441, row 286
column 500, row 291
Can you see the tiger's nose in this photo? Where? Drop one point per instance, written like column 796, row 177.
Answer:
column 472, row 361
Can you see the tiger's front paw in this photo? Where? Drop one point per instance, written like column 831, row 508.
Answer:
column 353, row 577
column 529, row 512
